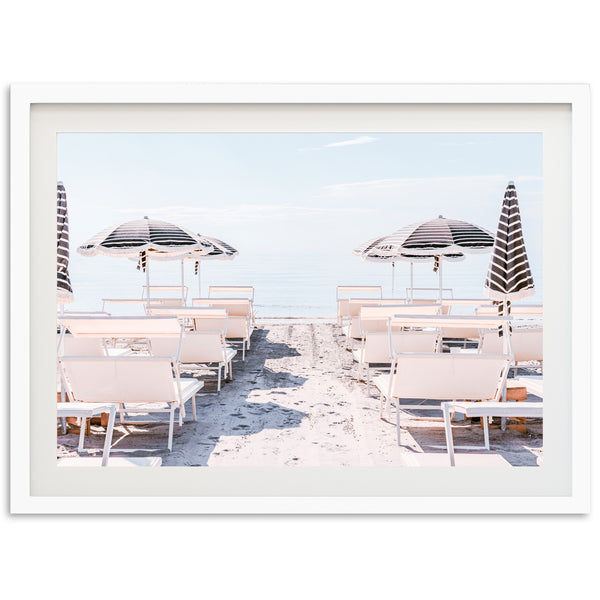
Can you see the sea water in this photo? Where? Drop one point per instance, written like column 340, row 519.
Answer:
column 285, row 284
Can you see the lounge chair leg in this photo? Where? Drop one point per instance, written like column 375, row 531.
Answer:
column 171, row 423
column 219, row 378
column 368, row 382
column 194, row 407
column 389, row 408
column 448, row 427
column 397, row 420
column 486, row 433
column 82, row 423
column 230, row 371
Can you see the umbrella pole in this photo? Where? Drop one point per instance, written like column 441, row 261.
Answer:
column 393, row 269
column 440, row 275
column 411, row 282
column 148, row 283
column 199, row 279
column 182, row 284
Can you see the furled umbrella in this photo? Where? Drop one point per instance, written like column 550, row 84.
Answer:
column 509, row 275
column 438, row 239
column 64, row 290
column 145, row 238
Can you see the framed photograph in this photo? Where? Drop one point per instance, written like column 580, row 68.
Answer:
column 300, row 298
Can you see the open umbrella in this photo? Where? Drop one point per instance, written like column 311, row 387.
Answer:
column 220, row 251
column 143, row 239
column 509, row 275
column 64, row 291
column 437, row 239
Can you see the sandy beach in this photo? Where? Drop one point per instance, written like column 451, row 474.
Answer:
column 295, row 401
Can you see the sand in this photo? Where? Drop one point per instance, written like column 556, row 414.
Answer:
column 295, row 401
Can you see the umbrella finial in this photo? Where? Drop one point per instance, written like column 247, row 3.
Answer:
column 511, row 183
column 145, row 217
column 440, row 216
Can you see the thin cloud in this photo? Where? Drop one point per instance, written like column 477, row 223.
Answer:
column 363, row 139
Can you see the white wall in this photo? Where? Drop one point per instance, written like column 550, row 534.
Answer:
column 307, row 41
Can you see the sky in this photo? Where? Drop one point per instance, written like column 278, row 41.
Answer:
column 294, row 205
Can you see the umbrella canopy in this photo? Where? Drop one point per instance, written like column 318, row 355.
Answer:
column 509, row 276
column 64, row 291
column 438, row 239
column 136, row 238
column 145, row 239
column 435, row 237
column 220, row 251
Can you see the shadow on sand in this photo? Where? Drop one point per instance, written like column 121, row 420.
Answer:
column 228, row 413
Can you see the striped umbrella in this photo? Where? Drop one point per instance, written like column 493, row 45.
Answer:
column 220, row 251
column 145, row 239
column 437, row 239
column 64, row 291
column 509, row 276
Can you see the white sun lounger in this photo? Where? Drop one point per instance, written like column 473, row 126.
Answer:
column 376, row 348
column 527, row 344
column 246, row 290
column 485, row 410
column 439, row 376
column 137, row 384
column 202, row 348
column 357, row 291
column 87, row 410
column 239, row 318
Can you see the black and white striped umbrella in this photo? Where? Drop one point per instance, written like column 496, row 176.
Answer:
column 509, row 275
column 220, row 251
column 145, row 239
column 64, row 291
column 438, row 239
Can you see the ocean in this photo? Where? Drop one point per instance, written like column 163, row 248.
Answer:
column 286, row 285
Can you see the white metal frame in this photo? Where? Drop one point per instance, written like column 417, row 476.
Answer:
column 575, row 96
column 485, row 410
column 84, row 411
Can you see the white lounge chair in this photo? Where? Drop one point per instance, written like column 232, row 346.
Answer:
column 357, row 291
column 239, row 318
column 87, row 410
column 246, row 291
column 351, row 321
column 439, row 376
column 137, row 384
column 486, row 410
column 527, row 344
column 376, row 351
column 201, row 348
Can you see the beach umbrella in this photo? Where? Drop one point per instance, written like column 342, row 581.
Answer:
column 438, row 239
column 64, row 291
column 145, row 239
column 220, row 251
column 509, row 275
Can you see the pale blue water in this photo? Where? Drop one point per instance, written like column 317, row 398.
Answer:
column 285, row 285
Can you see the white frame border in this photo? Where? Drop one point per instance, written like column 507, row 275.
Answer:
column 22, row 98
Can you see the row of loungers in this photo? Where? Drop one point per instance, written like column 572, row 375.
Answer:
column 135, row 363
column 406, row 344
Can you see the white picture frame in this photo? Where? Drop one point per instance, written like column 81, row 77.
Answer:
column 40, row 111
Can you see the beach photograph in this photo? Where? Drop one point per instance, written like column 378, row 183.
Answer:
column 299, row 300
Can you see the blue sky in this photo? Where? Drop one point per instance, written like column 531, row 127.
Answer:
column 295, row 199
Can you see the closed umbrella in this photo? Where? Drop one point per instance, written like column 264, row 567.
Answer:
column 64, row 291
column 437, row 239
column 509, row 275
column 143, row 239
